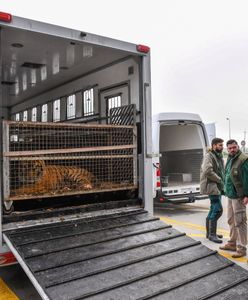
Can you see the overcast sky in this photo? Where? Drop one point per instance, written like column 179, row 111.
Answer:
column 199, row 49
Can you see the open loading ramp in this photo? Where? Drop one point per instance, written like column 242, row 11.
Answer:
column 127, row 254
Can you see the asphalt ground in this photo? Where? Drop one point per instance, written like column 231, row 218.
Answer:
column 15, row 285
column 188, row 218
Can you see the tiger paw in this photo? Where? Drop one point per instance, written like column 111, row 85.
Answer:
column 87, row 186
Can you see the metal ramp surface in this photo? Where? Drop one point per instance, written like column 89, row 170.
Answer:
column 127, row 255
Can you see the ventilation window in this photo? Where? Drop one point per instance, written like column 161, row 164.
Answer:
column 44, row 113
column 17, row 117
column 34, row 114
column 71, row 106
column 88, row 97
column 113, row 102
column 56, row 110
column 25, row 115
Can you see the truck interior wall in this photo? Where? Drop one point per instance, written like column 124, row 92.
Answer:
column 101, row 79
column 181, row 148
column 5, row 113
column 179, row 162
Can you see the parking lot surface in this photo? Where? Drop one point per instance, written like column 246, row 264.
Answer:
column 190, row 218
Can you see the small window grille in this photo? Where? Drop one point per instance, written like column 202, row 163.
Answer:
column 56, row 110
column 71, row 106
column 44, row 112
column 88, row 97
column 113, row 102
column 25, row 115
column 34, row 114
column 17, row 117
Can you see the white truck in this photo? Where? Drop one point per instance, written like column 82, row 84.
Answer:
column 180, row 141
column 211, row 131
column 76, row 173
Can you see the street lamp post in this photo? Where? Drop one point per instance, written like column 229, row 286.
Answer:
column 229, row 122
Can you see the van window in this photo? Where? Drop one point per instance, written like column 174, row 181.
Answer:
column 56, row 110
column 71, row 106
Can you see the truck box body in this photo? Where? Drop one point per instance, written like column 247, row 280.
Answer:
column 53, row 75
column 181, row 140
column 76, row 173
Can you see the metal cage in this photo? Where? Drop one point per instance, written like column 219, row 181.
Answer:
column 43, row 160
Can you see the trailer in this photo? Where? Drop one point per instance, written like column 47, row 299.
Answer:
column 76, row 173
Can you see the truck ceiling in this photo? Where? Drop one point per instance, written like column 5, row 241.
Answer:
column 35, row 62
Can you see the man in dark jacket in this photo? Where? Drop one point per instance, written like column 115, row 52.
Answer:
column 236, row 189
column 211, row 183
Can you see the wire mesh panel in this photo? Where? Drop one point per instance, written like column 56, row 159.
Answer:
column 48, row 160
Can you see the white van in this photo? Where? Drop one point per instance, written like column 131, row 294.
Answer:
column 179, row 143
column 211, row 131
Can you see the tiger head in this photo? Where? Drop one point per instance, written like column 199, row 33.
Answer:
column 30, row 171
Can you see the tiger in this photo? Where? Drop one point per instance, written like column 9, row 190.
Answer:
column 38, row 178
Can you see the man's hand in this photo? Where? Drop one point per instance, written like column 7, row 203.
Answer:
column 245, row 200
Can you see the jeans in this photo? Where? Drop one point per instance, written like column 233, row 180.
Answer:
column 216, row 209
